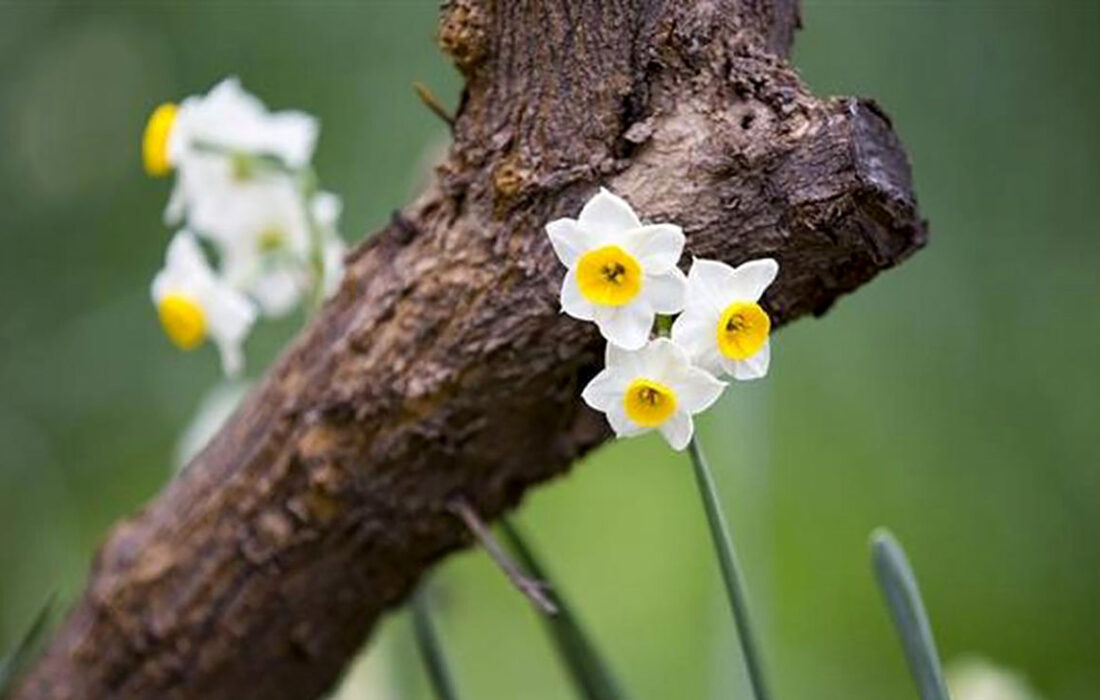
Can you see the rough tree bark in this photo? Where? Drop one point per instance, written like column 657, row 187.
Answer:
column 443, row 368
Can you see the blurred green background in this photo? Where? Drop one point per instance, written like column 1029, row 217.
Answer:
column 955, row 399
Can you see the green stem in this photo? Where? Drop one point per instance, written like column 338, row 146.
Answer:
column 427, row 643
column 589, row 672
column 13, row 663
column 899, row 586
column 731, row 576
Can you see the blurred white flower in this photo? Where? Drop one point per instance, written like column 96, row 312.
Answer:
column 228, row 120
column 231, row 119
column 974, row 678
column 215, row 408
column 723, row 328
column 193, row 304
column 327, row 208
column 274, row 248
column 620, row 273
column 265, row 239
column 655, row 387
column 218, row 143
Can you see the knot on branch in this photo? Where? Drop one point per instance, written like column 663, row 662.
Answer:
column 462, row 33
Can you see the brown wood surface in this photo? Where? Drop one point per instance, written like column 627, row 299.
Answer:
column 443, row 368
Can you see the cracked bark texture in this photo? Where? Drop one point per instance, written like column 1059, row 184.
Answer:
column 443, row 369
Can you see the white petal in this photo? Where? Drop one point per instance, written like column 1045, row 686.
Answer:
column 753, row 367
column 662, row 359
column 695, row 331
column 657, row 247
column 290, row 135
column 230, row 314
column 177, row 203
column 752, row 278
column 326, row 208
column 568, row 239
column 607, row 215
column 621, row 423
column 711, row 361
column 230, row 117
column 666, row 293
column 707, row 285
column 627, row 362
column 277, row 291
column 696, row 389
column 186, row 261
column 677, row 430
column 606, row 389
column 333, row 257
column 573, row 302
column 626, row 326
column 231, row 355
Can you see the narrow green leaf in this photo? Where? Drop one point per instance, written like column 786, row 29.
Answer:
column 899, row 586
column 431, row 651
column 13, row 663
column 731, row 570
column 591, row 675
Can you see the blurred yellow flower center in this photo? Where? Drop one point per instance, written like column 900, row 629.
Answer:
column 183, row 321
column 243, row 166
column 609, row 276
column 742, row 330
column 154, row 145
column 271, row 240
column 649, row 403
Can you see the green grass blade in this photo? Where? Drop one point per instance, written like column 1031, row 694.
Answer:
column 590, row 673
column 13, row 663
column 431, row 651
column 731, row 570
column 899, row 586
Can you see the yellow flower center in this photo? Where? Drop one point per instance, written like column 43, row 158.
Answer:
column 154, row 145
column 742, row 330
column 243, row 167
column 609, row 276
column 271, row 240
column 183, row 321
column 649, row 403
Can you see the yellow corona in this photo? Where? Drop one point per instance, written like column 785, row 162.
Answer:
column 609, row 276
column 742, row 330
column 154, row 145
column 649, row 403
column 183, row 321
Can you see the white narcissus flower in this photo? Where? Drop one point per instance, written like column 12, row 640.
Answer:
column 621, row 273
column 214, row 141
column 655, row 387
column 230, row 119
column 194, row 304
column 272, row 249
column 265, row 240
column 723, row 327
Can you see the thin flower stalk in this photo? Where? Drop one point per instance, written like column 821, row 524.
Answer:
column 731, row 570
column 589, row 671
column 430, row 648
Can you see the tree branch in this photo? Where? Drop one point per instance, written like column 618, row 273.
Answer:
column 443, row 370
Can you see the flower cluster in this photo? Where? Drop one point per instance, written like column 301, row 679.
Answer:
column 255, row 235
column 621, row 275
